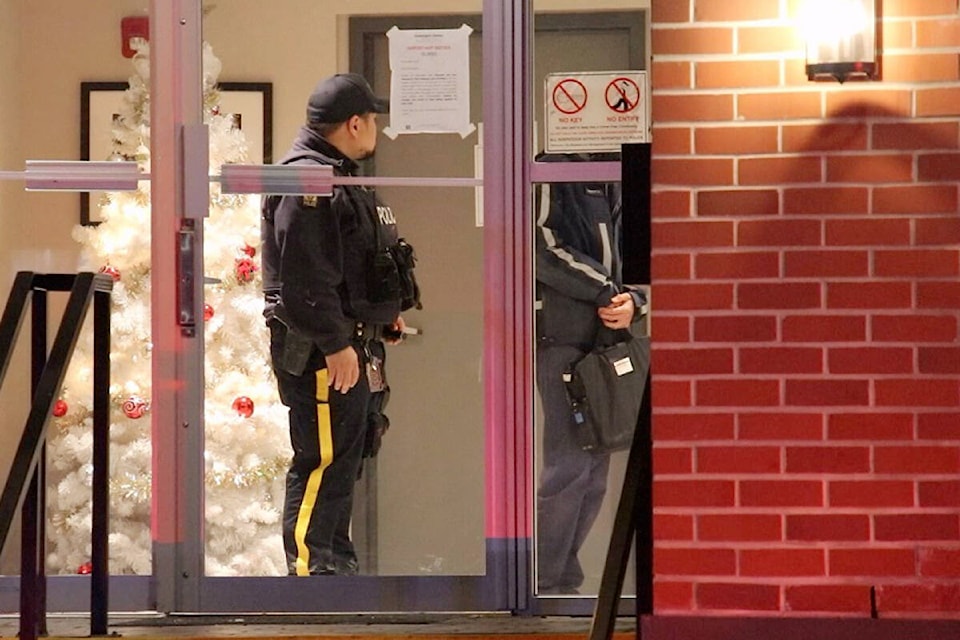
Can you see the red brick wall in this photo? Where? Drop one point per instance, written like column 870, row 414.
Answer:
column 806, row 296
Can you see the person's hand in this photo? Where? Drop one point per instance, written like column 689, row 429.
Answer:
column 619, row 313
column 396, row 331
column 343, row 369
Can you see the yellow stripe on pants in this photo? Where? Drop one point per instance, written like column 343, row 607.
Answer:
column 325, row 440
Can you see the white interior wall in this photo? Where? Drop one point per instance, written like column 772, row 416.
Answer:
column 9, row 80
column 10, row 91
column 10, row 106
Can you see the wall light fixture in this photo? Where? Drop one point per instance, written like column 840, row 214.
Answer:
column 842, row 39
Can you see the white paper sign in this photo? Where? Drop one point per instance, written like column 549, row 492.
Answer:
column 430, row 81
column 595, row 111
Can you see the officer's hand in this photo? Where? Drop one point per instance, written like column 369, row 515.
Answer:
column 396, row 331
column 619, row 313
column 343, row 369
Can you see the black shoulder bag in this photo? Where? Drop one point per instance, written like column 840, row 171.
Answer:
column 605, row 389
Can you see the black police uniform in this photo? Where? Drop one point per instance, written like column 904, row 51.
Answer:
column 324, row 291
column 578, row 270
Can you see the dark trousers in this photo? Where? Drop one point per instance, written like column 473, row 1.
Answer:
column 327, row 432
column 572, row 481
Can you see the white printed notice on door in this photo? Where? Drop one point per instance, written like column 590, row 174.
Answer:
column 595, row 111
column 430, row 81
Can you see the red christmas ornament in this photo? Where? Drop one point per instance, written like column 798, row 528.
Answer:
column 243, row 406
column 60, row 409
column 134, row 407
column 85, row 569
column 207, row 312
column 111, row 271
column 245, row 268
column 250, row 251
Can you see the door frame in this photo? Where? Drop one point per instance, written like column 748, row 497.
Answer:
column 509, row 473
column 179, row 140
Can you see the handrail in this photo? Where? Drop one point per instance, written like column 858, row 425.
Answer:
column 24, row 486
column 10, row 324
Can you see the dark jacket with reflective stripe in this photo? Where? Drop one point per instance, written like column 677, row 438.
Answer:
column 316, row 252
column 578, row 258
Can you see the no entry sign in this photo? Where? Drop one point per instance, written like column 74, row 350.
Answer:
column 595, row 111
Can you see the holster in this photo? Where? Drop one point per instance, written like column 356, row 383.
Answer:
column 377, row 420
column 406, row 259
column 297, row 349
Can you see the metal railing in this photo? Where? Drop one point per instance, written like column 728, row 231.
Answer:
column 24, row 490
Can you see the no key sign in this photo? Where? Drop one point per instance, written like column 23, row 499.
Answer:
column 595, row 111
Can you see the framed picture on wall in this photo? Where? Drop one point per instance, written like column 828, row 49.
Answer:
column 250, row 103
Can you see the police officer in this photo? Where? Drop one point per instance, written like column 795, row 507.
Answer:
column 579, row 282
column 332, row 289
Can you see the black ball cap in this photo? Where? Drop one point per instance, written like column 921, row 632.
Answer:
column 338, row 98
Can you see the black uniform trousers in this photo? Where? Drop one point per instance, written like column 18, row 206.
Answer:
column 327, row 430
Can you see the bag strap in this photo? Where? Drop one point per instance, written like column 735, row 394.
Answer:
column 609, row 337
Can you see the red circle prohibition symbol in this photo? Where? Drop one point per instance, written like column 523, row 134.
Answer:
column 570, row 90
column 623, row 95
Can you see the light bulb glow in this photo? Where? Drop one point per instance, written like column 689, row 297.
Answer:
column 840, row 38
column 830, row 21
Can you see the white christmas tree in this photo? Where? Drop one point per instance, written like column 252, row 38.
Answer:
column 247, row 447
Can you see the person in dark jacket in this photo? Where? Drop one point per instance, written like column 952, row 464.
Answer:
column 578, row 272
column 332, row 291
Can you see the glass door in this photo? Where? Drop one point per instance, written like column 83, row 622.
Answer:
column 444, row 515
column 587, row 88
column 75, row 90
column 420, row 524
